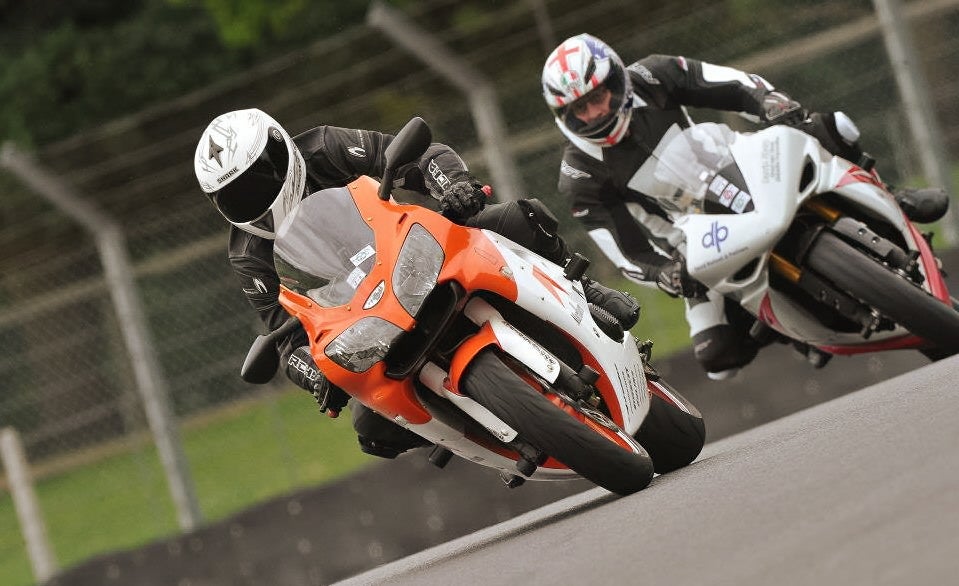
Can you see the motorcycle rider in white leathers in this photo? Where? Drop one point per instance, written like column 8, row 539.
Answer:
column 613, row 117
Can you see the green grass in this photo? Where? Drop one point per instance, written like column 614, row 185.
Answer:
column 662, row 319
column 238, row 456
column 241, row 456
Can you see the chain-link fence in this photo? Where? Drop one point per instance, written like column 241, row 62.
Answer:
column 67, row 383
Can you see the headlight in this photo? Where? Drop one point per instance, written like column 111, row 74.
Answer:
column 363, row 344
column 417, row 268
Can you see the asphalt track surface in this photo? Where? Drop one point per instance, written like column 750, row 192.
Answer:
column 863, row 489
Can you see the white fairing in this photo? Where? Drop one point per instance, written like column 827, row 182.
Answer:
column 719, row 246
column 544, row 291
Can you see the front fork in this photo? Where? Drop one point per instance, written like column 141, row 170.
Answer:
column 858, row 234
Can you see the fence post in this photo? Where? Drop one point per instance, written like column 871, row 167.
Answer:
column 918, row 106
column 131, row 320
column 477, row 89
column 34, row 531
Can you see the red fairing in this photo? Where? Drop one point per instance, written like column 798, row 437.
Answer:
column 859, row 175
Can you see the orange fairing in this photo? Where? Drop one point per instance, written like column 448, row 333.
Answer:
column 469, row 258
column 467, row 351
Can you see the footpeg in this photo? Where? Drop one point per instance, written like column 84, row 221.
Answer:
column 511, row 480
column 440, row 456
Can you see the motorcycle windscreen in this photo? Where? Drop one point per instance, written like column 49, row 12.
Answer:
column 692, row 170
column 324, row 249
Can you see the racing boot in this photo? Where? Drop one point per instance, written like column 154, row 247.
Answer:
column 924, row 205
column 619, row 304
column 381, row 437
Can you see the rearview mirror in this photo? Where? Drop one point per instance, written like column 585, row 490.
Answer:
column 409, row 144
column 263, row 359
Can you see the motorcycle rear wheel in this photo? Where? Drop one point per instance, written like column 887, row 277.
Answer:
column 892, row 295
column 492, row 384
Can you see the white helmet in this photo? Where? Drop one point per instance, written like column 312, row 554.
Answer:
column 250, row 169
column 574, row 68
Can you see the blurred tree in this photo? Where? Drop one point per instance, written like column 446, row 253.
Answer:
column 66, row 66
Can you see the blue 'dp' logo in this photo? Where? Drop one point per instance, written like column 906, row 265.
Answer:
column 716, row 236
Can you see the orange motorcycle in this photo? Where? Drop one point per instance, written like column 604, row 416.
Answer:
column 480, row 346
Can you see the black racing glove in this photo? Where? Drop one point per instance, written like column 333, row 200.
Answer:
column 302, row 370
column 464, row 199
column 778, row 108
column 675, row 281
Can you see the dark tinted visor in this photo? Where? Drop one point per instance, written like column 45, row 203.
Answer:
column 251, row 194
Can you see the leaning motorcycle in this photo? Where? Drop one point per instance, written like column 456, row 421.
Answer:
column 813, row 246
column 485, row 349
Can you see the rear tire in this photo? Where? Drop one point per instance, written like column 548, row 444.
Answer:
column 492, row 384
column 673, row 436
column 893, row 296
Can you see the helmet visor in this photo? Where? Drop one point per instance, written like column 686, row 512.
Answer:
column 250, row 195
column 575, row 118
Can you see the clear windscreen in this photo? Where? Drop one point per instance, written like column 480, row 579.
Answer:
column 685, row 165
column 324, row 249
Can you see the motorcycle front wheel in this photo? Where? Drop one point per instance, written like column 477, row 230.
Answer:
column 562, row 435
column 887, row 292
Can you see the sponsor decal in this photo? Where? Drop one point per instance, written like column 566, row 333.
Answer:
column 631, row 381
column 770, row 160
column 547, row 357
column 572, row 172
column 739, row 204
column 227, row 175
column 718, row 184
column 375, row 296
column 358, row 258
column 356, row 277
column 356, row 151
column 437, row 174
column 726, row 197
column 307, row 370
column 715, row 237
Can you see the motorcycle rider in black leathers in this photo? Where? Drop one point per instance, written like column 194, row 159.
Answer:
column 255, row 173
column 614, row 116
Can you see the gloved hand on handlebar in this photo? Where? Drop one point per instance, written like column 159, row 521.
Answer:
column 778, row 108
column 464, row 199
column 675, row 281
column 302, row 370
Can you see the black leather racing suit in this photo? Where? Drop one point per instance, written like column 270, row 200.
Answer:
column 336, row 156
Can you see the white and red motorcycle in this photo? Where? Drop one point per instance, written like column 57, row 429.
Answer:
column 471, row 341
column 810, row 244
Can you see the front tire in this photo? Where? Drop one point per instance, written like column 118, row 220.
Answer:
column 541, row 423
column 893, row 296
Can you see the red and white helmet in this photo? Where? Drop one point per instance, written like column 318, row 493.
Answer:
column 577, row 66
column 248, row 166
